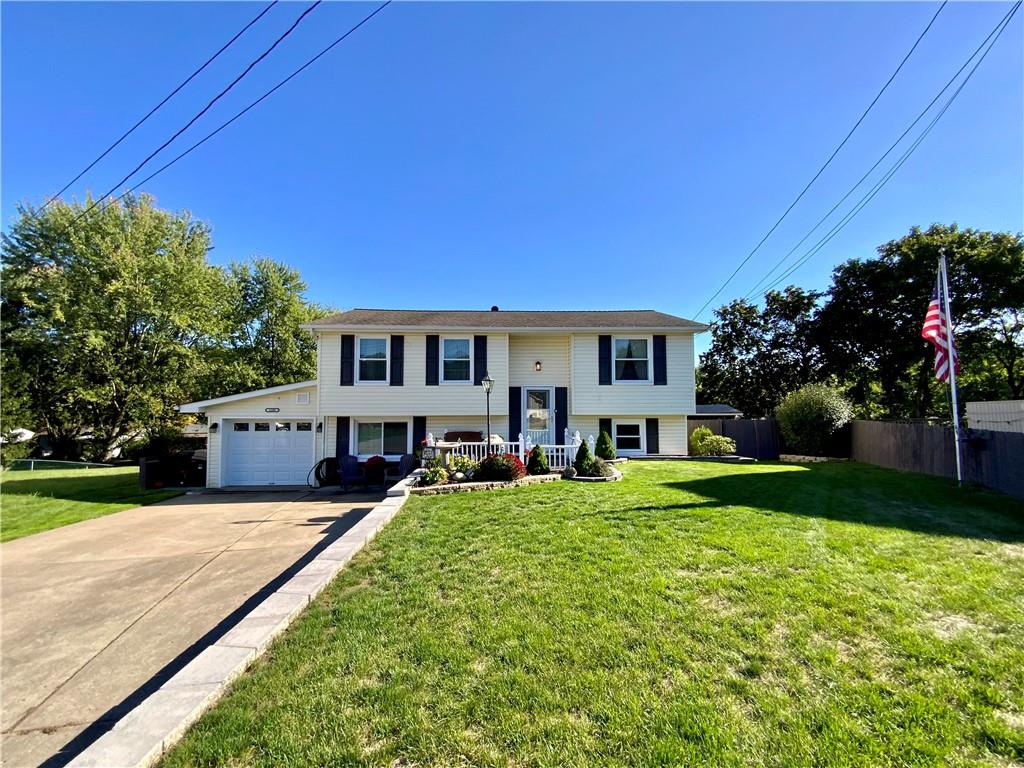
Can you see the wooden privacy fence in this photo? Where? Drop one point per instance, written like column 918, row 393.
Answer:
column 992, row 459
column 756, row 438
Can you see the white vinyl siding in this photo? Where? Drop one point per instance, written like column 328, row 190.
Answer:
column 552, row 352
column 671, row 429
column 414, row 397
column 676, row 398
column 438, row 425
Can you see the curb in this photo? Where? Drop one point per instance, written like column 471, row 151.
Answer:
column 140, row 738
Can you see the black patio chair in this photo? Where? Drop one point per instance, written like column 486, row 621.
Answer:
column 406, row 464
column 350, row 473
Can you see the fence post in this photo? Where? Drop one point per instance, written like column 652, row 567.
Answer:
column 590, row 444
column 522, row 447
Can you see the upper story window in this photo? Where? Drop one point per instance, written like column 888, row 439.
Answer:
column 455, row 360
column 632, row 359
column 373, row 359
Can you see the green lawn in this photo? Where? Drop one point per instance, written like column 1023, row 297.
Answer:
column 693, row 614
column 36, row 501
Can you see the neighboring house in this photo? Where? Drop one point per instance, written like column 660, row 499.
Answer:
column 388, row 378
column 998, row 415
column 718, row 411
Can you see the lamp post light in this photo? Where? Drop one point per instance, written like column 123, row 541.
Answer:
column 488, row 383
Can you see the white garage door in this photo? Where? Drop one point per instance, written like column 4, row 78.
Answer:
column 268, row 452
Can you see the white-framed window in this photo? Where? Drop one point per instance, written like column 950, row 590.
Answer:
column 628, row 437
column 373, row 359
column 632, row 359
column 456, row 360
column 374, row 437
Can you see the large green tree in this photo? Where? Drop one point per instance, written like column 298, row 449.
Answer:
column 107, row 316
column 758, row 356
column 265, row 345
column 869, row 328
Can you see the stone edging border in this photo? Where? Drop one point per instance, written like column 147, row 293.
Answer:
column 141, row 737
column 612, row 478
column 437, row 490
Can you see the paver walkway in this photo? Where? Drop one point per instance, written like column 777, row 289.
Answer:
column 99, row 614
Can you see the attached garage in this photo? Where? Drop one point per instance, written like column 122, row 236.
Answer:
column 267, row 437
column 261, row 452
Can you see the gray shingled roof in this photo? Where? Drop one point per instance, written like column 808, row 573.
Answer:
column 467, row 318
column 717, row 409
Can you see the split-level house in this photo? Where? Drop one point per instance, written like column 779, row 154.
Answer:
column 386, row 379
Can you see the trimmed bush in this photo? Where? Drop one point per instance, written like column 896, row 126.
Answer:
column 602, row 468
column 604, row 448
column 538, row 462
column 434, row 475
column 704, row 442
column 500, row 468
column 584, row 463
column 457, row 462
column 810, row 416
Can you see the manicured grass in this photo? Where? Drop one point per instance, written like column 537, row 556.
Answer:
column 39, row 500
column 693, row 614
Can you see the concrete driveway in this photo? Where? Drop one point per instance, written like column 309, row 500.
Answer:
column 98, row 614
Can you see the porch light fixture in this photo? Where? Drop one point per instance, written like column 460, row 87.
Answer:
column 488, row 384
column 213, row 427
column 537, row 366
column 319, row 427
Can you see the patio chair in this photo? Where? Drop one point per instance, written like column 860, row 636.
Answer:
column 406, row 464
column 350, row 473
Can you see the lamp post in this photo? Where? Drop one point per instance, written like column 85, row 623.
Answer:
column 488, row 383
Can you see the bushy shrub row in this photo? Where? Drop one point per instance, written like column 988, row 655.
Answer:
column 588, row 465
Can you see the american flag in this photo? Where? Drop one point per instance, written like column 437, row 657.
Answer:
column 936, row 328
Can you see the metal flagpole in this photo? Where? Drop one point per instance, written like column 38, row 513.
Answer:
column 951, row 362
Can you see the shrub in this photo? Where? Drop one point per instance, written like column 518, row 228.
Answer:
column 810, row 416
column 500, row 468
column 602, row 468
column 604, row 449
column 704, row 442
column 538, row 462
column 434, row 475
column 458, row 462
column 584, row 463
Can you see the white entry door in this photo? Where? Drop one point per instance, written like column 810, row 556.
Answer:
column 266, row 452
column 539, row 414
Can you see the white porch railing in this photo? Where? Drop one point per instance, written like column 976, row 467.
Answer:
column 559, row 455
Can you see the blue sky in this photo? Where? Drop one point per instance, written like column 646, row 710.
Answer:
column 530, row 155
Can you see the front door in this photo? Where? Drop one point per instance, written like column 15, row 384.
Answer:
column 538, row 414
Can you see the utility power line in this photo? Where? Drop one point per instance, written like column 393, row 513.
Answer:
column 166, row 98
column 885, row 154
column 237, row 115
column 205, row 109
column 824, row 166
column 899, row 163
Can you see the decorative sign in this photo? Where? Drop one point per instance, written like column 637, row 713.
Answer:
column 271, row 410
column 428, row 453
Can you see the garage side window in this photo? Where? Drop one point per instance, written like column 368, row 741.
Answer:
column 382, row 438
column 241, row 426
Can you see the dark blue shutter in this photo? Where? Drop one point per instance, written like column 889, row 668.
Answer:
column 515, row 412
column 605, row 425
column 433, row 359
column 561, row 413
column 348, row 359
column 479, row 358
column 652, row 436
column 604, row 359
column 419, row 431
column 342, row 440
column 660, row 367
column 397, row 360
